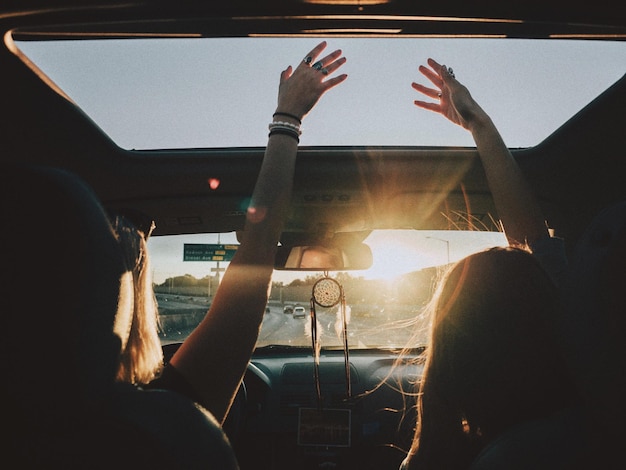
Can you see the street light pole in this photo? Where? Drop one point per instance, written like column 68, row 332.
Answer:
column 447, row 242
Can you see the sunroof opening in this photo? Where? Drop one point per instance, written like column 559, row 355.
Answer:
column 221, row 92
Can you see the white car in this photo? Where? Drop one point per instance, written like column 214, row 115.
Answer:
column 299, row 312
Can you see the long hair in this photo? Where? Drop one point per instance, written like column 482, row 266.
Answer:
column 493, row 360
column 141, row 359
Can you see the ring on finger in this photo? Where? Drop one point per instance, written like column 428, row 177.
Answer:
column 439, row 95
column 324, row 71
column 451, row 72
column 307, row 60
column 318, row 65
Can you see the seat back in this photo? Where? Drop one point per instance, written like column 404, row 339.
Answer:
column 60, row 353
column 592, row 332
column 595, row 327
column 557, row 442
column 65, row 267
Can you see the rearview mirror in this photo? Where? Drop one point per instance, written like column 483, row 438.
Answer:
column 323, row 258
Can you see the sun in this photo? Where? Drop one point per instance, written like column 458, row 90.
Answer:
column 395, row 252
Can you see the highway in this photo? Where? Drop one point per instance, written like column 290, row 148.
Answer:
column 180, row 314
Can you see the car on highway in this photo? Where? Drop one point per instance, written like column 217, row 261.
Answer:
column 299, row 312
column 162, row 108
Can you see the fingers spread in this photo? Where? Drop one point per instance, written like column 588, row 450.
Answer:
column 323, row 67
column 326, row 65
column 430, row 92
column 301, row 88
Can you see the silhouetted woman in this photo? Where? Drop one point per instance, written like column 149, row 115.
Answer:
column 496, row 391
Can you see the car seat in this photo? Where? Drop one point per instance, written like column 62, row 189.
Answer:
column 594, row 329
column 62, row 405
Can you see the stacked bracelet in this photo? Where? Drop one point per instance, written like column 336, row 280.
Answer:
column 285, row 125
column 292, row 116
column 283, row 131
column 285, row 128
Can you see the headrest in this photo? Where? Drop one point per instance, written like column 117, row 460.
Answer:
column 64, row 267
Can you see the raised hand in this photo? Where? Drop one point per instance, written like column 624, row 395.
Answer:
column 300, row 89
column 453, row 100
column 516, row 204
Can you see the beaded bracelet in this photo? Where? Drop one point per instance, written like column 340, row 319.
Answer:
column 284, row 131
column 278, row 113
column 285, row 125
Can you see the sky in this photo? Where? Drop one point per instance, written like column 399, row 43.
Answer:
column 217, row 92
column 186, row 93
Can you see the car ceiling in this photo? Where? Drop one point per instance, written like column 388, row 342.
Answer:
column 576, row 171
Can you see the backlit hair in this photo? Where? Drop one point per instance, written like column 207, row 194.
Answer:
column 141, row 359
column 493, row 359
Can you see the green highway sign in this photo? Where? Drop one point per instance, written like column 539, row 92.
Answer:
column 208, row 252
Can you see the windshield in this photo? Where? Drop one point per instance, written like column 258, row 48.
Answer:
column 384, row 304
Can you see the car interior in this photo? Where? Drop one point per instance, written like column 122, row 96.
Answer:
column 161, row 108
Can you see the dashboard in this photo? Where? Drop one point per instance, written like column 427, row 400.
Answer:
column 280, row 419
column 369, row 429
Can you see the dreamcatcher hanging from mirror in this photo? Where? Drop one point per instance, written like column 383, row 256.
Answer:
column 327, row 293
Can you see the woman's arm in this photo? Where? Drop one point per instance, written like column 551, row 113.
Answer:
column 214, row 357
column 517, row 206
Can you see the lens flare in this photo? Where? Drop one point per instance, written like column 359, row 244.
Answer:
column 214, row 183
column 256, row 214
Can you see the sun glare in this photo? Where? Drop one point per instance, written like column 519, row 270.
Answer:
column 398, row 252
